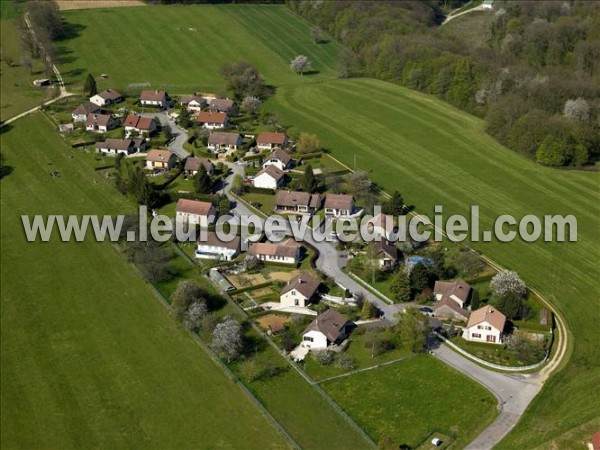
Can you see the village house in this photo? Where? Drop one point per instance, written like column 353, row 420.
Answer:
column 449, row 309
column 223, row 141
column 268, row 141
column 457, row 290
column 485, row 325
column 143, row 126
column 287, row 252
column 278, row 158
column 192, row 212
column 80, row 113
column 269, row 178
column 339, row 205
column 211, row 247
column 106, row 97
column 192, row 165
column 160, row 160
column 328, row 328
column 100, row 123
column 213, row 120
column 382, row 226
column 118, row 146
column 154, row 98
column 193, row 103
column 297, row 202
column 299, row 291
column 385, row 254
column 223, row 105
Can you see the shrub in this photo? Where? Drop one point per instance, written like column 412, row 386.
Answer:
column 323, row 357
column 345, row 361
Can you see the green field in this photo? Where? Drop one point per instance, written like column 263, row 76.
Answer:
column 405, row 402
column 174, row 49
column 89, row 358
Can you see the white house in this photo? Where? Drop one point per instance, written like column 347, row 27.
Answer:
column 211, row 247
column 223, row 141
column 485, row 325
column 223, row 105
column 154, row 98
column 80, row 113
column 118, row 146
column 213, row 120
column 268, row 141
column 106, row 97
column 269, row 178
column 192, row 165
column 192, row 212
column 339, row 205
column 193, row 103
column 278, row 158
column 143, row 126
column 386, row 254
column 99, row 123
column 160, row 160
column 297, row 202
column 329, row 328
column 457, row 290
column 286, row 252
column 299, row 291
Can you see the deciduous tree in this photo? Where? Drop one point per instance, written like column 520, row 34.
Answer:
column 227, row 338
column 300, row 64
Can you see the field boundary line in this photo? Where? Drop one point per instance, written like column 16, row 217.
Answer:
column 365, row 369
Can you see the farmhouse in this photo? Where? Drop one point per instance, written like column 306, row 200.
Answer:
column 485, row 325
column 458, row 291
column 192, row 165
column 297, row 202
column 269, row 178
column 329, row 328
column 106, row 97
column 299, row 291
column 339, row 205
column 287, row 252
column 223, row 141
column 211, row 247
column 386, row 254
column 212, row 120
column 382, row 225
column 278, row 158
column 135, row 124
column 80, row 113
column 99, row 123
column 192, row 212
column 160, row 160
column 154, row 98
column 120, row 146
column 223, row 105
column 268, row 141
column 193, row 102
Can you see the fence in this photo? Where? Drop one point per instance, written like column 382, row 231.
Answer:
column 371, row 288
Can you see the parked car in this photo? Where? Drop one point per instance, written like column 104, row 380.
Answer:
column 426, row 310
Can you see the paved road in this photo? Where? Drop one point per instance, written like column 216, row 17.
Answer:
column 180, row 135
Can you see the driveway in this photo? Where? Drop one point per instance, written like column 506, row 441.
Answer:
column 180, row 136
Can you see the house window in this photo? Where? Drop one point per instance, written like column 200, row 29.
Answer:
column 476, row 335
column 491, row 339
column 308, row 339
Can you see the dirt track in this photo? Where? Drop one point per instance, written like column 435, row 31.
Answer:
column 65, row 5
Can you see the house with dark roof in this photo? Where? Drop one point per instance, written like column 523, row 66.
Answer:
column 160, row 160
column 386, row 254
column 297, row 202
column 339, row 205
column 278, row 158
column 192, row 165
column 485, row 325
column 268, row 140
column 118, row 146
column 213, row 120
column 210, row 246
column 328, row 328
column 80, row 113
column 106, row 97
column 192, row 212
column 221, row 141
column 154, row 98
column 269, row 178
column 300, row 290
column 99, row 123
column 457, row 290
column 286, row 252
column 449, row 309
column 194, row 103
column 223, row 105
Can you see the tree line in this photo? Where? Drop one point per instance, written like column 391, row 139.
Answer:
column 535, row 81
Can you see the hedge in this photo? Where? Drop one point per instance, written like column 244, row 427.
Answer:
column 256, row 190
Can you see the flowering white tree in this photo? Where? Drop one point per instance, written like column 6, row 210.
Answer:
column 577, row 110
column 251, row 104
column 227, row 338
column 193, row 316
column 508, row 282
column 300, row 64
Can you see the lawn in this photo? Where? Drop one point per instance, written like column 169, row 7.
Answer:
column 409, row 400
column 411, row 142
column 89, row 358
column 174, row 51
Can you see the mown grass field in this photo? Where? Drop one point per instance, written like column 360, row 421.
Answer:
column 405, row 402
column 182, row 48
column 437, row 155
column 89, row 358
